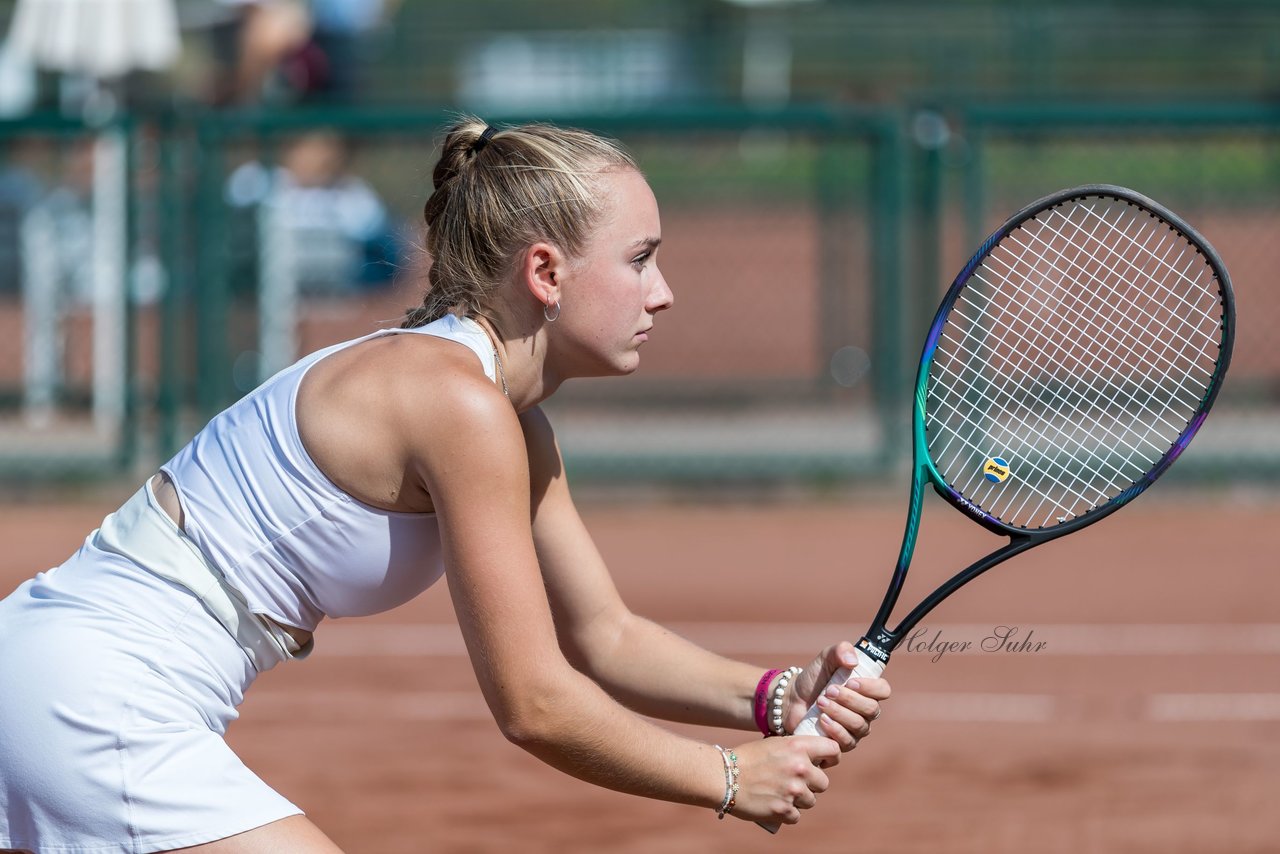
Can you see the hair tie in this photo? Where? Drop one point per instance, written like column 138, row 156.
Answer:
column 479, row 144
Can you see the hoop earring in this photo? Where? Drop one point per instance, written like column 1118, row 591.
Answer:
column 546, row 312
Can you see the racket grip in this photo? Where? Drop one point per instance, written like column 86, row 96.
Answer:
column 867, row 667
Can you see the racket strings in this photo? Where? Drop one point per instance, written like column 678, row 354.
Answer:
column 1177, row 335
column 1023, row 395
column 1166, row 358
column 1051, row 389
column 1118, row 344
column 1079, row 264
column 1160, row 261
column 1159, row 358
column 1017, row 396
column 1062, row 400
column 1044, row 422
column 1024, row 437
column 1077, row 492
column 968, row 443
column 1046, row 437
column 1078, row 353
column 1074, row 490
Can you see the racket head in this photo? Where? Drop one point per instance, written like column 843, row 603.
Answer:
column 1071, row 361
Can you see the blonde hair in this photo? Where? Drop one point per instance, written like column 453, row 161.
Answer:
column 496, row 196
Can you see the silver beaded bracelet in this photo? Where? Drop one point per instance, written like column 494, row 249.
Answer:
column 730, row 782
column 779, row 696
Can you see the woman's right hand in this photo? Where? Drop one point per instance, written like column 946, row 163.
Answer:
column 778, row 777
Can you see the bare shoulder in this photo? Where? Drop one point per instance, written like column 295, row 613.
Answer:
column 458, row 428
column 386, row 416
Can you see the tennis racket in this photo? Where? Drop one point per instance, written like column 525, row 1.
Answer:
column 1070, row 363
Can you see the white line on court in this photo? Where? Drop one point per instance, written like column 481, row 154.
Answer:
column 334, row 707
column 354, row 639
column 1213, row 707
column 457, row 706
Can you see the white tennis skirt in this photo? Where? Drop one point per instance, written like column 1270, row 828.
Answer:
column 117, row 684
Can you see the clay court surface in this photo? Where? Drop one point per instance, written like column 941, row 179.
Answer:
column 1149, row 720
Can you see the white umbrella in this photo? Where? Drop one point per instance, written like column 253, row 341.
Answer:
column 97, row 38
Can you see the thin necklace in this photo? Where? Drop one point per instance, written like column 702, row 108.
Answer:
column 502, row 373
column 497, row 360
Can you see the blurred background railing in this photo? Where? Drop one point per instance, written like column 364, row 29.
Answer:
column 169, row 238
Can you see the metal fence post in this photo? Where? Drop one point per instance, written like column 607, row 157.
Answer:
column 211, row 285
column 887, row 188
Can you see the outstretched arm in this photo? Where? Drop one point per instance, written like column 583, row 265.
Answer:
column 646, row 666
column 473, row 461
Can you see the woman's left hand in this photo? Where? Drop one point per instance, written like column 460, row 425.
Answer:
column 847, row 715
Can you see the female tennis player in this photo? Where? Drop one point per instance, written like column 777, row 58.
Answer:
column 346, row 485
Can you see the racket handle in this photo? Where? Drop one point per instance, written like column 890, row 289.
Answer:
column 867, row 667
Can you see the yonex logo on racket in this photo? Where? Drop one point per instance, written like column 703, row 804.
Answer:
column 996, row 469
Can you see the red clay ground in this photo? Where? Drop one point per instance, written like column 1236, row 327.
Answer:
column 1161, row 732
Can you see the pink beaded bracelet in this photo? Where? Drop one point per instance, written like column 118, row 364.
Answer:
column 762, row 701
column 779, row 695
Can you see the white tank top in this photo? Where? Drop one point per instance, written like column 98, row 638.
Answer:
column 297, row 546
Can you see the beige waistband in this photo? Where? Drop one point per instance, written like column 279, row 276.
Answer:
column 142, row 532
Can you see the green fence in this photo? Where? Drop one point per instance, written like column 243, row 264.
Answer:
column 806, row 247
column 68, row 338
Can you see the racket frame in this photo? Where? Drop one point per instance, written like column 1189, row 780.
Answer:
column 880, row 640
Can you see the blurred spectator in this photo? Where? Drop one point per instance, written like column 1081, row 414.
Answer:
column 251, row 42
column 20, row 189
column 342, row 30
column 56, row 231
column 55, row 271
column 292, row 49
column 337, row 230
